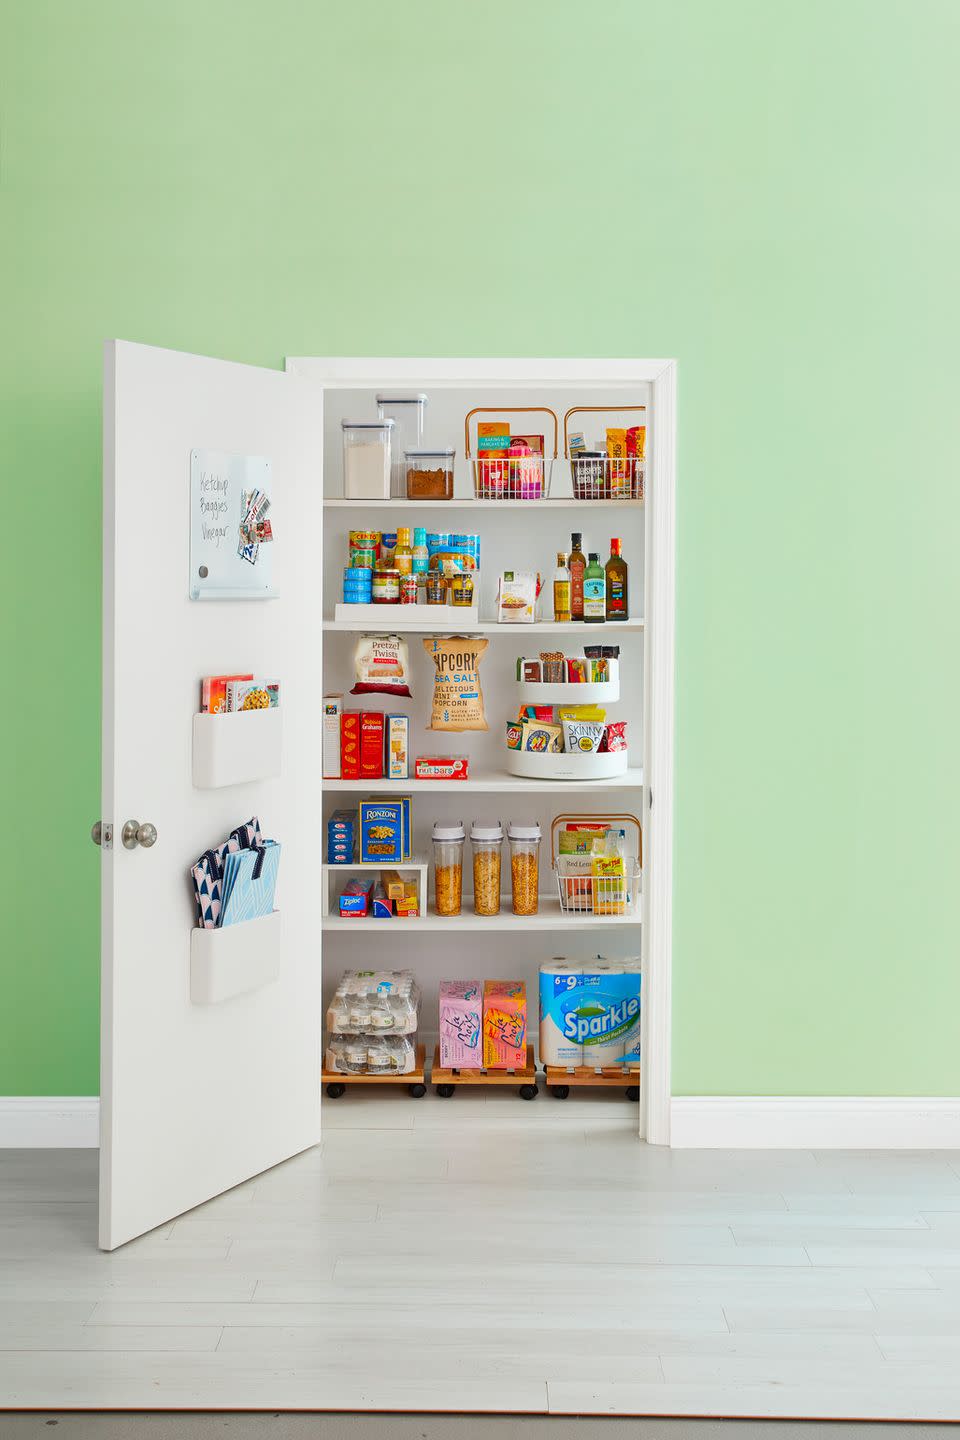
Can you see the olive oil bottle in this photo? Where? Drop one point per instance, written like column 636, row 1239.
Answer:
column 594, row 591
column 576, row 565
column 617, row 581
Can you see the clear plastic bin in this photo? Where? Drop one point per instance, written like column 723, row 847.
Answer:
column 448, row 843
column 487, row 842
column 407, row 413
column 429, row 474
column 367, row 448
column 525, row 867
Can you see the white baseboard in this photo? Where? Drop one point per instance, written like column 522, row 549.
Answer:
column 49, row 1122
column 769, row 1122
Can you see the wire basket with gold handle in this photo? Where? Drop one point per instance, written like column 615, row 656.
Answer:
column 507, row 466
column 598, row 476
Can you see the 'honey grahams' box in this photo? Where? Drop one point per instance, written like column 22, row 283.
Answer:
column 504, row 1024
column 461, row 1021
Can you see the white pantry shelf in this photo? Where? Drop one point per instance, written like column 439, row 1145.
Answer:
column 549, row 917
column 493, row 783
column 398, row 621
column 467, row 502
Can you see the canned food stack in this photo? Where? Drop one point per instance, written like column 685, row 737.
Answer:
column 372, row 1020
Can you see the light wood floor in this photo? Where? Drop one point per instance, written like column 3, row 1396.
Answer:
column 483, row 1253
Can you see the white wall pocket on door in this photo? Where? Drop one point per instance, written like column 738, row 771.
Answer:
column 234, row 748
column 234, row 960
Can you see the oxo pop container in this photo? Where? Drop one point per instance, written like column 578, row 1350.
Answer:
column 448, row 843
column 406, row 410
column 429, row 474
column 525, row 867
column 367, row 448
column 487, row 842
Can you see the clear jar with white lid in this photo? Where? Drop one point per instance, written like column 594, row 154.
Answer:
column 525, row 867
column 406, row 410
column 448, row 843
column 367, row 450
column 487, row 843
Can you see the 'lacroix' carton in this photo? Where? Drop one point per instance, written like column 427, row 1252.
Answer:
column 504, row 1024
column 461, row 1021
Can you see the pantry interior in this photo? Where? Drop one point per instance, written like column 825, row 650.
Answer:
column 520, row 534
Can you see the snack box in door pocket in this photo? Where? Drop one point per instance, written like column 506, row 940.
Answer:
column 504, row 1024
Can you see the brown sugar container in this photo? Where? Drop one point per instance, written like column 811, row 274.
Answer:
column 429, row 474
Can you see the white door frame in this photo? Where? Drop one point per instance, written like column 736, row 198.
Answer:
column 343, row 372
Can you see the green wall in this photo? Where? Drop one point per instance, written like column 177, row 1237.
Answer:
column 767, row 192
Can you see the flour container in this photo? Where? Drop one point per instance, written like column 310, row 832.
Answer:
column 367, row 450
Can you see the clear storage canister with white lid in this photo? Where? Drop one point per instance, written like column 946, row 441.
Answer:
column 448, row 842
column 487, row 842
column 407, row 413
column 367, row 448
column 525, row 867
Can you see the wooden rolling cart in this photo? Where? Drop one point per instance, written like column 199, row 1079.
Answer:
column 447, row 1080
column 561, row 1079
column 414, row 1080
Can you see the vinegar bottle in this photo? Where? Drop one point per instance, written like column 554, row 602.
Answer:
column 577, row 565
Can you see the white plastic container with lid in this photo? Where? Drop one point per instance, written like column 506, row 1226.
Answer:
column 367, row 448
column 448, row 842
column 487, row 842
column 407, row 413
column 525, row 867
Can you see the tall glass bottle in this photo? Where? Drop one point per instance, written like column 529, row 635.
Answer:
column 617, row 580
column 577, row 564
column 561, row 590
column 403, row 555
column 594, row 591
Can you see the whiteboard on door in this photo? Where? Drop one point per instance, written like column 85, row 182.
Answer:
column 225, row 562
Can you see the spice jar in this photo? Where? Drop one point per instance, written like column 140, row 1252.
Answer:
column 448, row 842
column 525, row 867
column 386, row 587
column 429, row 474
column 461, row 589
column 487, row 842
column 436, row 587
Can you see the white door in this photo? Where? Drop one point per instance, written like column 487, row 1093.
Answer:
column 196, row 1097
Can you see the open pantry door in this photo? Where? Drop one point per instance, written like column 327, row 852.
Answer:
column 210, row 1051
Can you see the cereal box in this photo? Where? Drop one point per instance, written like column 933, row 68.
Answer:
column 504, row 1024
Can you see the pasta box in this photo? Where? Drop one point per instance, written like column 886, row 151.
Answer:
column 406, row 804
column 381, row 832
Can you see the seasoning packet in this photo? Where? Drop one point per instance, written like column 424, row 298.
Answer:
column 582, row 736
column 541, row 737
column 517, row 592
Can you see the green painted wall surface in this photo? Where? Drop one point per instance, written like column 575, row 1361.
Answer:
column 767, row 192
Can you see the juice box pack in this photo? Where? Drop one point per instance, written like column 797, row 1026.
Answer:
column 504, row 1024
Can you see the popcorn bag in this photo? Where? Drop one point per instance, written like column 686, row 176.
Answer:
column 457, row 697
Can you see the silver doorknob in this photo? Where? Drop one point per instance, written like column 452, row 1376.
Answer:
column 96, row 832
column 134, row 834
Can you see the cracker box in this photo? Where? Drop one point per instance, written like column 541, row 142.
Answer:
column 350, row 744
column 397, row 747
column 371, row 745
column 441, row 767
column 332, row 711
column 381, row 832
column 504, row 1024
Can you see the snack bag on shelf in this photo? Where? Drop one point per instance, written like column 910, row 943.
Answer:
column 457, row 696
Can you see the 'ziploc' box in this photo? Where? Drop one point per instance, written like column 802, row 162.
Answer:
column 381, row 832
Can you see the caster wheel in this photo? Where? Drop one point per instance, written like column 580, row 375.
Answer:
column 335, row 1091
column 633, row 1092
column 561, row 1091
column 445, row 1091
column 528, row 1092
column 417, row 1091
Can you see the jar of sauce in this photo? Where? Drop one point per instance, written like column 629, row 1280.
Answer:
column 408, row 589
column 436, row 586
column 386, row 587
column 461, row 590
